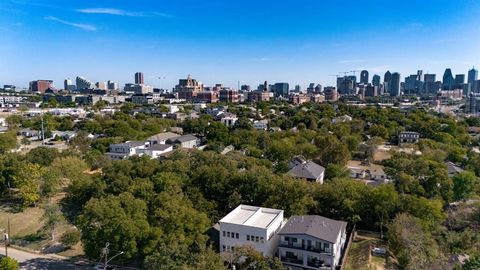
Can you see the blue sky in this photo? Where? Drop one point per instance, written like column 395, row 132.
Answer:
column 225, row 41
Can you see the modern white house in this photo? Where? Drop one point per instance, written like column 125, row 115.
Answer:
column 127, row 149
column 229, row 120
column 253, row 226
column 312, row 242
column 157, row 150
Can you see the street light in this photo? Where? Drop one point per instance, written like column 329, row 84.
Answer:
column 105, row 251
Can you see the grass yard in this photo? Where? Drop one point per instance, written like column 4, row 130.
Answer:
column 26, row 228
column 359, row 255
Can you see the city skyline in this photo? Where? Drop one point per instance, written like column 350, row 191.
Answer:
column 284, row 42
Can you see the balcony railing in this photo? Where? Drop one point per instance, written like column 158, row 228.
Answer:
column 291, row 260
column 304, row 247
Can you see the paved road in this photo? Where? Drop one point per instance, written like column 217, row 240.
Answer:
column 33, row 261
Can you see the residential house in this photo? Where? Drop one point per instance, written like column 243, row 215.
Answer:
column 157, row 150
column 161, row 138
column 308, row 170
column 229, row 120
column 260, row 125
column 453, row 169
column 125, row 150
column 251, row 226
column 312, row 242
column 407, row 137
column 185, row 141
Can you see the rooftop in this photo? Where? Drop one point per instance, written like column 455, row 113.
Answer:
column 163, row 136
column 252, row 216
column 308, row 170
column 315, row 226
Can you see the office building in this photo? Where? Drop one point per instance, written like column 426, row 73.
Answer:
column 112, row 85
column 101, row 85
column 40, row 86
column 251, row 226
column 188, row 88
column 410, row 84
column 246, row 88
column 311, row 88
column 395, row 85
column 82, row 83
column 364, row 77
column 68, row 85
column 137, row 88
column 228, row 95
column 312, row 242
column 139, row 78
column 347, row 85
column 387, row 78
column 376, row 80
column 472, row 78
column 281, row 89
column 330, row 93
column 448, row 82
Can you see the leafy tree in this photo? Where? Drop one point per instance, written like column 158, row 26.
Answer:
column 28, row 179
column 70, row 238
column 52, row 217
column 217, row 131
column 413, row 246
column 464, row 185
column 8, row 263
column 331, row 150
column 42, row 155
column 120, row 220
column 8, row 140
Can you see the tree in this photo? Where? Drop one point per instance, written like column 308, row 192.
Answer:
column 42, row 155
column 120, row 220
column 217, row 131
column 8, row 263
column 8, row 140
column 52, row 217
column 331, row 150
column 464, row 185
column 414, row 247
column 70, row 238
column 28, row 179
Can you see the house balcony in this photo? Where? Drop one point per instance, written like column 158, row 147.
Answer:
column 291, row 260
column 305, row 247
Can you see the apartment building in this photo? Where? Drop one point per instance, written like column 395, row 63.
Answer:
column 312, row 242
column 253, row 226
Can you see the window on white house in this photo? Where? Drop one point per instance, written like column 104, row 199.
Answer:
column 237, row 235
column 248, row 237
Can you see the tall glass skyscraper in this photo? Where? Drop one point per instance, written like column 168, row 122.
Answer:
column 395, row 85
column 472, row 78
column 376, row 80
column 364, row 77
column 448, row 80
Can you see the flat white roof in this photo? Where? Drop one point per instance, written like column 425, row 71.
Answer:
column 253, row 216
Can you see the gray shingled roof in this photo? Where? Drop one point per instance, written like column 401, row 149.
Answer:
column 159, row 147
column 185, row 138
column 163, row 136
column 453, row 169
column 308, row 170
column 315, row 226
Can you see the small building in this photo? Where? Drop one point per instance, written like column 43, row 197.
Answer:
column 308, row 170
column 125, row 150
column 260, row 125
column 229, row 120
column 453, row 169
column 185, row 141
column 312, row 242
column 161, row 138
column 157, row 150
column 251, row 226
column 408, row 137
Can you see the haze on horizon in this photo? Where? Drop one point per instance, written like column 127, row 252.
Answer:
column 225, row 42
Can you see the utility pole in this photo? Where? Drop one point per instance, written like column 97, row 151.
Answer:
column 43, row 131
